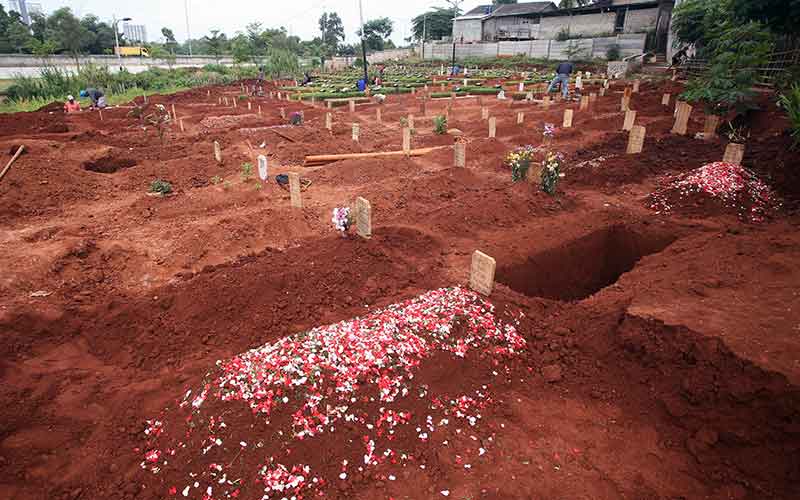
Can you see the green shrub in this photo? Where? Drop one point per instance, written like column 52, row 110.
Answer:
column 161, row 187
column 440, row 124
column 790, row 101
column 614, row 53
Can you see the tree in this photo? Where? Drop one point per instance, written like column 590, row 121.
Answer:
column 332, row 29
column 38, row 26
column 572, row 4
column 19, row 37
column 434, row 24
column 216, row 43
column 781, row 16
column 376, row 32
column 67, row 32
column 102, row 35
column 169, row 39
column 241, row 48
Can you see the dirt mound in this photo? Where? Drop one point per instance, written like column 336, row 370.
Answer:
column 716, row 188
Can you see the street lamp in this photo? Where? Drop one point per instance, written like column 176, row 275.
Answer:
column 116, row 37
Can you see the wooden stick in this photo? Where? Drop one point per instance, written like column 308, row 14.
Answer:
column 323, row 159
column 13, row 159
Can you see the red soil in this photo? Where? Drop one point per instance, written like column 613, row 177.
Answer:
column 662, row 351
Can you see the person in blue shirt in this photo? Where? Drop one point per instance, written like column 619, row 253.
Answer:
column 562, row 76
column 96, row 96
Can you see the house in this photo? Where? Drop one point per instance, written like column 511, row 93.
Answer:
column 544, row 21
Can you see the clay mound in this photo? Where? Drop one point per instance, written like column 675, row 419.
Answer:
column 226, row 121
column 377, row 393
column 716, row 188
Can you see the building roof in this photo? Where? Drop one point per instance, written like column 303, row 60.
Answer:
column 603, row 6
column 522, row 9
column 478, row 12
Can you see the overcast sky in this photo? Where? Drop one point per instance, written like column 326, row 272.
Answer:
column 298, row 16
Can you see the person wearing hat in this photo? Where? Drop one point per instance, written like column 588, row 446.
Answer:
column 71, row 106
column 96, row 96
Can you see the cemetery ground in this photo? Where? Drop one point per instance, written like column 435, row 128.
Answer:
column 624, row 352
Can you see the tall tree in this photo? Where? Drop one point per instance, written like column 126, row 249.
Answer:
column 781, row 16
column 376, row 33
column 216, row 43
column 102, row 35
column 332, row 29
column 434, row 24
column 67, row 32
column 169, row 39
column 19, row 37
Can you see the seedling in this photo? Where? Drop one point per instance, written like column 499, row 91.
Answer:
column 216, row 180
column 161, row 187
column 440, row 125
column 159, row 118
column 247, row 171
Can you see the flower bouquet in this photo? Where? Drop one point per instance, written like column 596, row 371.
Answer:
column 551, row 172
column 342, row 219
column 519, row 161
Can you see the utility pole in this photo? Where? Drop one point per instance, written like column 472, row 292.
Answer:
column 455, row 4
column 188, row 33
column 363, row 43
column 424, row 33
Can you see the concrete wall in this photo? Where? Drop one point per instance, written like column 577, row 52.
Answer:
column 12, row 65
column 583, row 25
column 630, row 44
column 641, row 20
column 470, row 29
column 341, row 62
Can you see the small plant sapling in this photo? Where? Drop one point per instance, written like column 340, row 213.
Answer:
column 161, row 187
column 247, row 171
column 159, row 119
column 440, row 125
column 216, row 180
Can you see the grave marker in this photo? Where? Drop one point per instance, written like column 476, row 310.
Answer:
column 101, row 114
column 636, row 139
column 630, row 118
column 636, row 84
column 378, row 115
column 520, row 118
column 734, row 153
column 602, row 92
column 235, row 102
column 406, row 140
column 592, row 99
column 682, row 118
column 225, row 100
column 283, row 113
column 492, row 127
column 584, row 103
column 665, row 99
column 411, row 121
column 546, row 101
column 294, row 190
column 329, row 121
column 627, row 92
column 249, row 106
column 481, row 274
column 356, row 131
column 174, row 114
column 217, row 152
column 460, row 155
column 259, row 110
column 263, row 171
column 484, row 113
column 567, row 118
column 352, row 105
column 625, row 104
column 180, row 122
column 363, row 218
column 710, row 127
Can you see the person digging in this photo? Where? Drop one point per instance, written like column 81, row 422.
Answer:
column 71, row 106
column 97, row 97
column 563, row 71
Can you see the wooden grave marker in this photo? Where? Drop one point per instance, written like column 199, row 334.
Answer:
column 329, row 121
column 217, row 152
column 363, row 218
column 710, row 127
column 356, row 131
column 294, row 190
column 734, row 153
column 406, row 140
column 568, row 113
column 584, row 103
column 481, row 274
column 630, row 119
column 492, row 127
column 636, row 139
column 684, row 110
column 665, row 99
column 520, row 118
column 460, row 155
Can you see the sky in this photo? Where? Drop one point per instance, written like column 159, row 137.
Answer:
column 300, row 17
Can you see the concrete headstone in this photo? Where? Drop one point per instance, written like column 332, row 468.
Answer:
column 363, row 218
column 636, row 139
column 630, row 118
column 568, row 114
